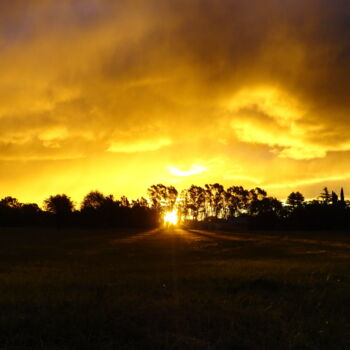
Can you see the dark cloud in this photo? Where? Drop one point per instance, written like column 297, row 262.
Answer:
column 237, row 87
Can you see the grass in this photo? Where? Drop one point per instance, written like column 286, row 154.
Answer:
column 173, row 289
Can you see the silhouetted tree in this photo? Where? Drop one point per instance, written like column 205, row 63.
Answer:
column 334, row 198
column 10, row 202
column 342, row 197
column 94, row 200
column 265, row 205
column 30, row 214
column 257, row 193
column 237, row 200
column 141, row 202
column 215, row 199
column 255, row 196
column 193, row 201
column 61, row 206
column 325, row 196
column 162, row 197
column 295, row 199
column 212, row 205
column 124, row 202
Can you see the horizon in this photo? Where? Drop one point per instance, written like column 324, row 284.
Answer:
column 78, row 201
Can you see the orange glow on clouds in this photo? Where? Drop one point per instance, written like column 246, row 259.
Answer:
column 194, row 170
column 117, row 96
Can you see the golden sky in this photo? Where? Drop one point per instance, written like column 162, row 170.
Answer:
column 119, row 95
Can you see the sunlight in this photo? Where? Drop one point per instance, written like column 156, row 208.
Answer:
column 194, row 170
column 171, row 217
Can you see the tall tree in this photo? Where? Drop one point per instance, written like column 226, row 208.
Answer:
column 162, row 197
column 257, row 193
column 194, row 201
column 334, row 198
column 237, row 201
column 325, row 196
column 215, row 196
column 342, row 197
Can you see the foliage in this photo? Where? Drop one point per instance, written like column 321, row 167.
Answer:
column 234, row 207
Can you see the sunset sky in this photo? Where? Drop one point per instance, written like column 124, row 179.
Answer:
column 119, row 95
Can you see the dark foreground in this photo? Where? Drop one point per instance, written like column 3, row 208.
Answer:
column 173, row 289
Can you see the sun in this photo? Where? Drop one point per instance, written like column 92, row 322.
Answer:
column 171, row 217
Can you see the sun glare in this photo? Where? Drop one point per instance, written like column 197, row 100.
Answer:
column 171, row 217
column 194, row 170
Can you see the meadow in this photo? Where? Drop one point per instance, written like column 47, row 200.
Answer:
column 173, row 289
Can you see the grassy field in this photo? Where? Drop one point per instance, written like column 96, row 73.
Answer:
column 173, row 289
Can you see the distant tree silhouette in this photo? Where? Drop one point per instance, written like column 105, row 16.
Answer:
column 10, row 202
column 31, row 214
column 255, row 196
column 98, row 209
column 342, row 197
column 295, row 199
column 215, row 199
column 334, row 198
column 237, row 201
column 193, row 201
column 265, row 205
column 162, row 197
column 124, row 202
column 208, row 207
column 139, row 203
column 61, row 206
column 9, row 211
column 325, row 196
column 93, row 200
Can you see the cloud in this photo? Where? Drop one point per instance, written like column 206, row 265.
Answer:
column 139, row 146
column 194, row 170
column 259, row 85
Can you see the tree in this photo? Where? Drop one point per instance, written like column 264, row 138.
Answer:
column 255, row 198
column 295, row 199
column 10, row 202
column 237, row 200
column 334, row 198
column 265, row 205
column 93, row 200
column 139, row 203
column 257, row 193
column 162, row 197
column 124, row 202
column 215, row 198
column 193, row 201
column 59, row 205
column 325, row 196
column 171, row 197
column 342, row 197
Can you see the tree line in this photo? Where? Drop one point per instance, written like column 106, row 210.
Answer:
column 96, row 210
column 211, row 206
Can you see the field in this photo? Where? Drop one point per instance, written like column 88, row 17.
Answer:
column 173, row 289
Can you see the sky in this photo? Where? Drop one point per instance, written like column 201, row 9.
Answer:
column 118, row 95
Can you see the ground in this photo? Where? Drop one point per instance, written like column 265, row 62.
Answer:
column 173, row 289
